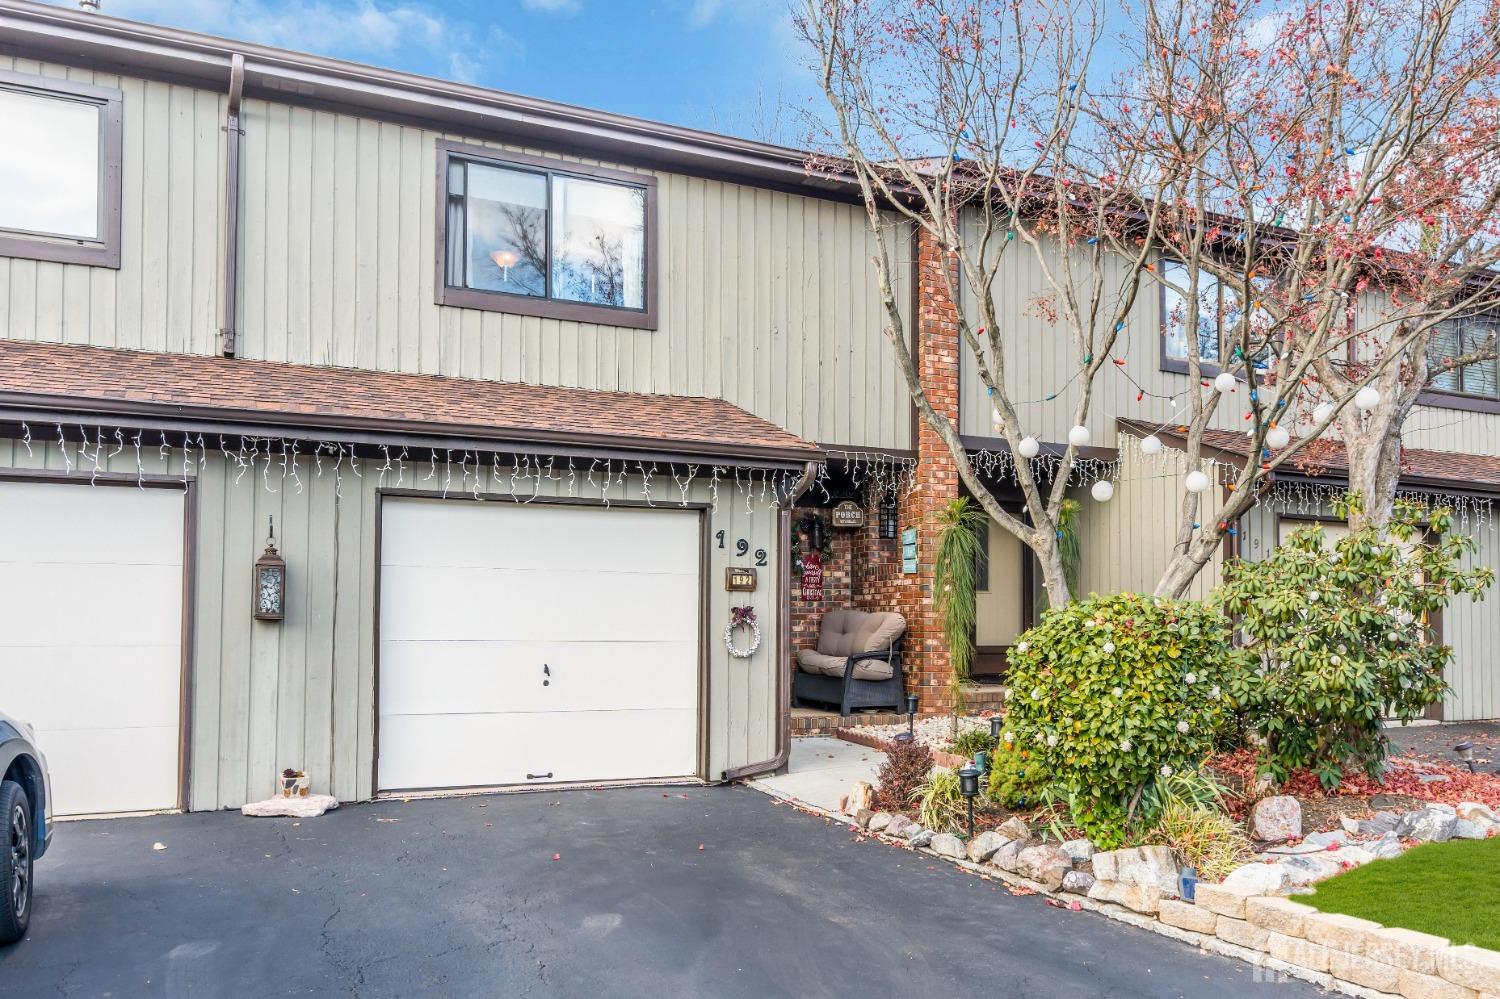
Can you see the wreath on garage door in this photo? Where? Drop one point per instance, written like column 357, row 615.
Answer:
column 742, row 617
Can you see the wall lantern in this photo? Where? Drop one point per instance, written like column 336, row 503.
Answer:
column 815, row 533
column 269, row 582
column 888, row 516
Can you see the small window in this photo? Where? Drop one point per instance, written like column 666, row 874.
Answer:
column 1459, row 337
column 538, row 238
column 59, row 170
column 1220, row 316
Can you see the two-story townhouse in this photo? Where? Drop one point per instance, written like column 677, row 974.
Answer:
column 399, row 431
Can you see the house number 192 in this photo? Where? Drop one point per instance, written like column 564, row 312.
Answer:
column 741, row 547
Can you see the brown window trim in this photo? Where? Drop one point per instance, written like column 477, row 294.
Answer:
column 1439, row 399
column 101, row 252
column 548, row 308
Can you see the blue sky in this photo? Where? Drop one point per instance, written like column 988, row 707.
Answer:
column 723, row 65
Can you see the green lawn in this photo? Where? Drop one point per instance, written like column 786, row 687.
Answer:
column 1448, row 889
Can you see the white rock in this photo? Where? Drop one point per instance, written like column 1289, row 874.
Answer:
column 1465, row 829
column 1475, row 811
column 1080, row 850
column 1309, row 867
column 1276, row 819
column 947, row 845
column 1078, row 882
column 922, row 837
column 879, row 821
column 984, row 846
column 1325, row 839
column 1430, row 824
column 1386, row 847
column 1256, row 879
column 309, row 807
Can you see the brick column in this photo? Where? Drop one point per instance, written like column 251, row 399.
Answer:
column 928, row 669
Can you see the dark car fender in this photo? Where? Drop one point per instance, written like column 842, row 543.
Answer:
column 20, row 761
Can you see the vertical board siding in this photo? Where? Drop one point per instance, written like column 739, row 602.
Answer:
column 165, row 294
column 767, row 299
column 301, row 693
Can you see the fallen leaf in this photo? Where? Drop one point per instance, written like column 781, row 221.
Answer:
column 557, row 856
column 700, row 847
column 158, row 846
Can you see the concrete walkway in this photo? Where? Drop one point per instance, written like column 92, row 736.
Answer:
column 820, row 772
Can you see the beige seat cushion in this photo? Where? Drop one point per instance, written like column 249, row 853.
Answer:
column 816, row 662
column 844, row 632
column 871, row 669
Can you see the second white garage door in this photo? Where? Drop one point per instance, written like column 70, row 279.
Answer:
column 536, row 644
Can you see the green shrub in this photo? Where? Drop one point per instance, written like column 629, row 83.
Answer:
column 905, row 768
column 971, row 741
column 1016, row 781
column 940, row 806
column 1112, row 692
column 1336, row 639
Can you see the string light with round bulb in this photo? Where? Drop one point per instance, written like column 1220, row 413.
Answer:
column 1277, row 438
column 1195, row 482
column 1322, row 412
column 1224, row 383
column 1028, row 448
column 1103, row 491
column 1151, row 444
column 1079, row 436
column 1367, row 398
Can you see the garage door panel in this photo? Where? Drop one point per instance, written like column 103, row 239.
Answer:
column 142, row 684
column 83, row 603
column 432, row 603
column 91, row 579
column 105, row 523
column 453, row 534
column 477, row 597
column 459, row 677
column 112, row 770
column 483, row 750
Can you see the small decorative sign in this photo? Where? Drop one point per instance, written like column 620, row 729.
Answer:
column 736, row 578
column 812, row 575
column 909, row 550
column 848, row 514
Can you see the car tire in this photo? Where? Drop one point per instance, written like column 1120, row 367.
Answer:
column 15, row 861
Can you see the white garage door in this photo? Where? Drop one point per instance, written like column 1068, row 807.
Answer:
column 90, row 638
column 536, row 644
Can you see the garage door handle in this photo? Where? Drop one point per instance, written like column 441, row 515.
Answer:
column 538, row 776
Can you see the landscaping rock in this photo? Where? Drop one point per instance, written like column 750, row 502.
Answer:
column 902, row 827
column 1293, row 849
column 1081, row 851
column 1474, row 811
column 948, row 845
column 1276, row 819
column 1078, row 882
column 1221, row 899
column 1430, row 824
column 862, row 817
column 1046, row 864
column 1106, row 864
column 922, row 837
column 1186, row 916
column 1327, row 839
column 1278, row 915
column 859, row 797
column 1351, row 856
column 1307, row 868
column 309, row 807
column 1379, row 824
column 878, row 822
column 984, row 846
column 1386, row 847
column 1256, row 879
column 1472, row 967
column 1140, row 898
column 1155, row 866
column 1006, row 857
column 1465, row 829
column 1014, row 828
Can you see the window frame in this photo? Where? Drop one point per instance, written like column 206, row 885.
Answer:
column 1181, row 365
column 1458, row 398
column 535, row 305
column 103, row 251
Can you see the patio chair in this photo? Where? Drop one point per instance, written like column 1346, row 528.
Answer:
column 857, row 663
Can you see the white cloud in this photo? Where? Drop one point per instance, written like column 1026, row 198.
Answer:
column 567, row 8
column 366, row 30
column 701, row 12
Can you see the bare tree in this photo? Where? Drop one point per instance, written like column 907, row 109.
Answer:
column 1334, row 180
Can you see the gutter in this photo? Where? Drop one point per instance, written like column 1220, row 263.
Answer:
column 783, row 637
column 232, row 134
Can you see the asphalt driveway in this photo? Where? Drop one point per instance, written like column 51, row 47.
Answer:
column 463, row 897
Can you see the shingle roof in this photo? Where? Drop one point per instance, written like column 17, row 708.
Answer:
column 111, row 382
column 1419, row 467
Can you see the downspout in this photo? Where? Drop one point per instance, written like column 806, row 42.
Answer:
column 783, row 635
column 232, row 133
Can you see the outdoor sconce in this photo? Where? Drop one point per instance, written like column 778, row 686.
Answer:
column 1465, row 752
column 968, row 786
column 815, row 533
column 888, row 516
column 269, row 583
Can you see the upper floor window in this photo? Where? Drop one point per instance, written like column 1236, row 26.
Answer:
column 1458, row 338
column 60, row 148
column 543, row 238
column 1220, row 320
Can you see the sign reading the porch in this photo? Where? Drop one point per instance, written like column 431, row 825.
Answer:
column 909, row 550
column 812, row 575
column 848, row 514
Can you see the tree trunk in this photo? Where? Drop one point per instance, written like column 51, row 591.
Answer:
column 1374, row 452
column 1184, row 568
column 1054, row 576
